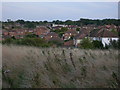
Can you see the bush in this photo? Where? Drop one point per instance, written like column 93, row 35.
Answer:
column 115, row 44
column 86, row 44
column 31, row 36
column 97, row 44
column 38, row 42
column 54, row 42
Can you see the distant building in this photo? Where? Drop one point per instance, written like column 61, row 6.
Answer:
column 69, row 33
column 51, row 35
column 55, row 25
column 41, row 31
column 104, row 36
column 72, row 26
column 78, row 38
column 69, row 43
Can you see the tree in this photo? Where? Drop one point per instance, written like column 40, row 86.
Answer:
column 31, row 36
column 55, row 42
column 97, row 44
column 64, row 29
column 114, row 44
column 30, row 25
column 20, row 21
column 86, row 44
column 69, row 22
column 61, row 31
column 77, row 29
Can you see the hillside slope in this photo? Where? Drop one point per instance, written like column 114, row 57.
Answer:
column 32, row 67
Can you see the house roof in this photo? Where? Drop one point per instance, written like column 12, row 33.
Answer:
column 72, row 26
column 52, row 34
column 56, row 39
column 102, row 33
column 71, row 31
column 85, row 31
column 69, row 43
column 80, row 36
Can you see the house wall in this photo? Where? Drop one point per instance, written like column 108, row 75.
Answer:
column 96, row 38
column 77, row 41
column 107, row 40
column 104, row 40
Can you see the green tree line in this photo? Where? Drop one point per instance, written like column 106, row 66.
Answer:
column 82, row 21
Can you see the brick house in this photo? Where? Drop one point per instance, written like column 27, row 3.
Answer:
column 78, row 38
column 72, row 26
column 41, row 31
column 69, row 33
column 12, row 33
column 69, row 43
column 20, row 33
column 51, row 35
column 56, row 27
column 5, row 32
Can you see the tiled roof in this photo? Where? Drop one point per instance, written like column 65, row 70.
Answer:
column 52, row 34
column 69, row 43
column 56, row 39
column 71, row 31
column 102, row 33
column 80, row 36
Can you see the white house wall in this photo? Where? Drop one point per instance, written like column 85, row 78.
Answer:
column 104, row 40
column 77, row 41
column 107, row 40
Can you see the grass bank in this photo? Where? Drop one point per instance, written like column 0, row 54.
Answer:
column 31, row 67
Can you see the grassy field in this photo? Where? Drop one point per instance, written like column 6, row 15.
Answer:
column 32, row 67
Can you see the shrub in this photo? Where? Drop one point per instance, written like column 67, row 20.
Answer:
column 38, row 42
column 86, row 44
column 54, row 42
column 97, row 44
column 114, row 44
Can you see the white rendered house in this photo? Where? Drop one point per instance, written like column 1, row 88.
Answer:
column 104, row 36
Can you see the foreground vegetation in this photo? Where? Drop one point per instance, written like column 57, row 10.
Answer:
column 86, row 43
column 31, row 67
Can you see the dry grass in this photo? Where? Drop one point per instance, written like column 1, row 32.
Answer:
column 0, row 66
column 32, row 67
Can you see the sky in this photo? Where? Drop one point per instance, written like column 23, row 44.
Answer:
column 41, row 11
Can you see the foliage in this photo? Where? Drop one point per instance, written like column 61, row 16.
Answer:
column 61, row 31
column 86, row 44
column 77, row 29
column 30, row 25
column 54, row 42
column 114, row 31
column 97, row 44
column 38, row 42
column 82, row 21
column 114, row 44
column 20, row 21
column 31, row 36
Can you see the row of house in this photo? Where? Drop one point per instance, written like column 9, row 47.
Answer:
column 71, row 37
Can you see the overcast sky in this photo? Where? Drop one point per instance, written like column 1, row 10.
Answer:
column 39, row 11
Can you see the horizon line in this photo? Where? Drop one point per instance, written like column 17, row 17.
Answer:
column 61, row 20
